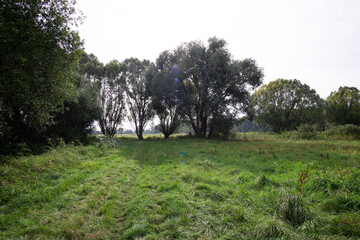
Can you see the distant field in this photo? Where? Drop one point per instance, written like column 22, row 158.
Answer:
column 185, row 188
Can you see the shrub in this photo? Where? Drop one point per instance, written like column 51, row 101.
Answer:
column 108, row 142
column 349, row 130
column 306, row 131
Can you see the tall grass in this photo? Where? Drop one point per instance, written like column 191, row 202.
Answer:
column 185, row 188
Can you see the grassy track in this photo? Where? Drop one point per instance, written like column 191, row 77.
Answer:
column 184, row 189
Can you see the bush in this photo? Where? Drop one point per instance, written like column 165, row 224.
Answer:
column 223, row 127
column 306, row 131
column 349, row 130
column 108, row 142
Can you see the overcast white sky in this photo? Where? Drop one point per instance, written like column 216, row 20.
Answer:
column 314, row 41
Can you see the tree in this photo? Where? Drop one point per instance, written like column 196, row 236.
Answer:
column 166, row 100
column 75, row 122
column 284, row 105
column 343, row 106
column 111, row 99
column 37, row 58
column 214, row 87
column 138, row 94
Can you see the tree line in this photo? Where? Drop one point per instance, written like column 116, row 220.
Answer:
column 50, row 88
column 285, row 105
column 195, row 83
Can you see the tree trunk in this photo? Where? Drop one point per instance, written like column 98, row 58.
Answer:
column 140, row 133
column 211, row 132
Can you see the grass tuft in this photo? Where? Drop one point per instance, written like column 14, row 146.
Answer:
column 291, row 208
column 270, row 229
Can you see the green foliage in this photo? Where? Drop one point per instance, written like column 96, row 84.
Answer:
column 307, row 131
column 110, row 85
column 284, row 105
column 162, row 80
column 348, row 130
column 343, row 106
column 225, row 127
column 212, row 87
column 111, row 98
column 138, row 94
column 38, row 56
column 291, row 208
column 247, row 125
column 75, row 121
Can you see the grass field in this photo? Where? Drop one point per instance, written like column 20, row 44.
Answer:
column 185, row 188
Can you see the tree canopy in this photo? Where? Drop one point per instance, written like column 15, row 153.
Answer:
column 214, row 87
column 162, row 79
column 284, row 105
column 343, row 106
column 37, row 58
column 138, row 95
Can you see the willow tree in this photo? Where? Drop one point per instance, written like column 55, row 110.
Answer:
column 110, row 91
column 165, row 91
column 215, row 88
column 111, row 99
column 138, row 95
column 284, row 105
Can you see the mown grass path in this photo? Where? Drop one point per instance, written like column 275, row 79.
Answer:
column 183, row 189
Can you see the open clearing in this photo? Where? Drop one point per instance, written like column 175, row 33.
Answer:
column 184, row 188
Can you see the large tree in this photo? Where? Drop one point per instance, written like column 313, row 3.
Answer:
column 111, row 90
column 138, row 94
column 215, row 88
column 284, row 105
column 166, row 98
column 343, row 106
column 75, row 121
column 112, row 99
column 37, row 57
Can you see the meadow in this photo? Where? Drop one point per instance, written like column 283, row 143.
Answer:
column 258, row 186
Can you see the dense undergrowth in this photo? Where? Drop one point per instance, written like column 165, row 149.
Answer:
column 185, row 188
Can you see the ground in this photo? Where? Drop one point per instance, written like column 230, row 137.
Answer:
column 184, row 188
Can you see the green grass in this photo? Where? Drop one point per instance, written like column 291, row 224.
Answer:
column 184, row 188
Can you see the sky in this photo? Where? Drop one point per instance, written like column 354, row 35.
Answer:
column 314, row 41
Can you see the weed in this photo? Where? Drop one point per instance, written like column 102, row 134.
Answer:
column 292, row 209
column 303, row 179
